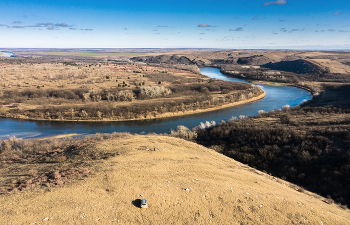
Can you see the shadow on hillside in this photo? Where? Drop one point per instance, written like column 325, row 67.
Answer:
column 299, row 66
column 332, row 96
column 137, row 203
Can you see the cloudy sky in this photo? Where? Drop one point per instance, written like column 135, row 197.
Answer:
column 299, row 24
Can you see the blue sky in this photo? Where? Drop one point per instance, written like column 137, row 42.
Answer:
column 294, row 24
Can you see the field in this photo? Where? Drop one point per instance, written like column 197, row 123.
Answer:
column 78, row 90
column 182, row 181
column 90, row 54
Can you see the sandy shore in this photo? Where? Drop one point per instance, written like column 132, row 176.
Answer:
column 270, row 83
column 214, row 108
column 58, row 136
column 283, row 84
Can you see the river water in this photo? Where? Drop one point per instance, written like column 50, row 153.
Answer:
column 276, row 97
column 6, row 54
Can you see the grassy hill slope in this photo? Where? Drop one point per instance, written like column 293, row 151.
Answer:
column 184, row 183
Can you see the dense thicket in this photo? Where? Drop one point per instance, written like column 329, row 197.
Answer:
column 313, row 153
column 211, row 86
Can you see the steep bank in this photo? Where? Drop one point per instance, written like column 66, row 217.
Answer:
column 337, row 96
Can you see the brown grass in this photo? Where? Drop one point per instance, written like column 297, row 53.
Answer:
column 90, row 54
column 89, row 76
column 184, row 183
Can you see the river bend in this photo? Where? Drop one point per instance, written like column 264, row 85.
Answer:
column 276, row 97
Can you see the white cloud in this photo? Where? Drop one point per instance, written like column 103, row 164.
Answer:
column 237, row 29
column 339, row 13
column 61, row 25
column 204, row 25
column 16, row 27
column 278, row 2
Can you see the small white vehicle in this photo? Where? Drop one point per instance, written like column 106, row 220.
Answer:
column 143, row 203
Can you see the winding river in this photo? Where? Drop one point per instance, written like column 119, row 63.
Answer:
column 277, row 96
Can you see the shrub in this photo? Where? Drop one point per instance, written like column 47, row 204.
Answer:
column 154, row 91
column 183, row 132
column 126, row 95
column 286, row 107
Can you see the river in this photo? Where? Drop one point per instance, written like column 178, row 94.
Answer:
column 276, row 97
column 6, row 54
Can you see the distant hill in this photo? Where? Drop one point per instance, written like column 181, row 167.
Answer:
column 168, row 59
column 298, row 66
column 253, row 60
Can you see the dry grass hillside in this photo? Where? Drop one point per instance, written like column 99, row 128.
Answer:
column 184, row 183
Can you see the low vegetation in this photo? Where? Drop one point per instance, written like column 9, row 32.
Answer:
column 89, row 54
column 26, row 164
